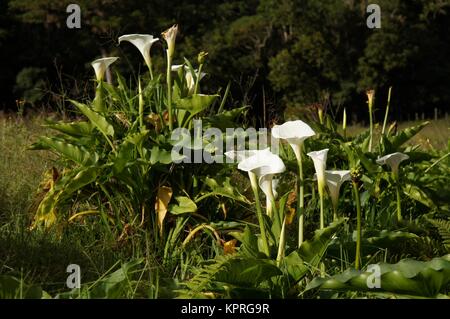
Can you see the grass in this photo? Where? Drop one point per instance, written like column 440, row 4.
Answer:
column 38, row 256
column 435, row 135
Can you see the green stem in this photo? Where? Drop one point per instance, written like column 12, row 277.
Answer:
column 254, row 184
column 358, row 225
column 335, row 216
column 169, row 89
column 141, row 106
column 322, row 218
column 149, row 65
column 371, row 129
column 197, row 78
column 300, row 201
column 399, row 205
column 387, row 111
column 282, row 243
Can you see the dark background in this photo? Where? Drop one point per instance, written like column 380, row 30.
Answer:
column 287, row 53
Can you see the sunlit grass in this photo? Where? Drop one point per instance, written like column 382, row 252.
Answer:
column 435, row 135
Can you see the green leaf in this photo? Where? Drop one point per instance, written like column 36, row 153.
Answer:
column 405, row 135
column 76, row 153
column 407, row 277
column 221, row 186
column 82, row 178
column 75, row 129
column 419, row 195
column 312, row 251
column 13, row 288
column 249, row 242
column 223, row 120
column 295, row 266
column 247, row 272
column 123, row 157
column 196, row 103
column 162, row 156
column 98, row 120
column 185, row 205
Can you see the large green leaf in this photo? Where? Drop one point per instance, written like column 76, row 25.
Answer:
column 76, row 153
column 419, row 195
column 221, row 186
column 295, row 266
column 82, row 178
column 249, row 242
column 96, row 119
column 312, row 251
column 405, row 135
column 223, row 120
column 75, row 129
column 196, row 103
column 185, row 205
column 14, row 288
column 159, row 155
column 407, row 277
column 247, row 272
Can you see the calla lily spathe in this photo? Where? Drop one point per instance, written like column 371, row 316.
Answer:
column 334, row 181
column 188, row 76
column 320, row 163
column 100, row 66
column 239, row 156
column 295, row 133
column 143, row 42
column 170, row 35
column 393, row 160
column 264, row 164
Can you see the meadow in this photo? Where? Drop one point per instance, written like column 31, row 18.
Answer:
column 339, row 212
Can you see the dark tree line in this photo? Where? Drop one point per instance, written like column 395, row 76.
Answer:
column 284, row 54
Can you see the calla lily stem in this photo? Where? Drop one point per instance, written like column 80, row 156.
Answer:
column 358, row 225
column 300, row 202
column 322, row 217
column 254, row 184
column 197, row 78
column 370, row 128
column 169, row 89
column 399, row 200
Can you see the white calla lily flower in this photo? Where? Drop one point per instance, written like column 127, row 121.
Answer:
column 143, row 42
column 190, row 79
column 320, row 162
column 334, row 181
column 170, row 35
column 264, row 165
column 393, row 160
column 239, row 156
column 295, row 133
column 100, row 66
column 188, row 75
column 176, row 67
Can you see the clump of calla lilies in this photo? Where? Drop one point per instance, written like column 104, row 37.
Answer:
column 262, row 166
